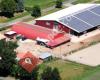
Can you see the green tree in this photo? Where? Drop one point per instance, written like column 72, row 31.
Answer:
column 19, row 5
column 36, row 11
column 59, row 4
column 55, row 74
column 50, row 74
column 22, row 74
column 47, row 74
column 7, row 55
column 8, row 7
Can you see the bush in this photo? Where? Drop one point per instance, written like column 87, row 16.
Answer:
column 36, row 11
column 58, row 4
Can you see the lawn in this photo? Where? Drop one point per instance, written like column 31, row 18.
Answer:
column 69, row 70
column 16, row 15
column 30, row 3
column 97, row 1
column 82, row 1
column 94, row 76
column 42, row 3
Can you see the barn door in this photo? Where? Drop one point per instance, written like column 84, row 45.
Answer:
column 56, row 26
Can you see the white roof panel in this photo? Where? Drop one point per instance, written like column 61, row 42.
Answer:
column 66, row 11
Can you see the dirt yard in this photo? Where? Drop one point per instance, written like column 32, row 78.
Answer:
column 64, row 49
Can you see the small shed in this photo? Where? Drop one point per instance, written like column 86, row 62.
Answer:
column 45, row 56
column 10, row 34
column 28, row 61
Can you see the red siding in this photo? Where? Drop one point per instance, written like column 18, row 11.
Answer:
column 43, row 23
column 64, row 28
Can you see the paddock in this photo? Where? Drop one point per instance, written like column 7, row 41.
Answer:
column 89, row 56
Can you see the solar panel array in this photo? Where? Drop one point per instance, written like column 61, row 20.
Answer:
column 84, row 20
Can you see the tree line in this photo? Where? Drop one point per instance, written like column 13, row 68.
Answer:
column 9, row 7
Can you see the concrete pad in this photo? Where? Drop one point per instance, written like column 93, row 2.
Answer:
column 89, row 56
column 76, row 39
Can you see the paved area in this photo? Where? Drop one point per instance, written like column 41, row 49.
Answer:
column 7, row 78
column 76, row 39
column 89, row 56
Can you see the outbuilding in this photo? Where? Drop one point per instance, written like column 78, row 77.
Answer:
column 27, row 61
column 45, row 56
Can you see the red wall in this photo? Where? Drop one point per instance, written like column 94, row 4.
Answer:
column 43, row 23
column 64, row 28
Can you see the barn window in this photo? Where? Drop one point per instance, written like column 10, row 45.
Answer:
column 48, row 23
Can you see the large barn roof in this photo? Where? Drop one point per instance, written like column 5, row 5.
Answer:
column 80, row 17
column 66, row 11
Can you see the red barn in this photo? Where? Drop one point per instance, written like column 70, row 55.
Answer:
column 75, row 20
column 47, row 36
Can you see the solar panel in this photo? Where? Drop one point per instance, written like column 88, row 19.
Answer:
column 96, row 10
column 84, row 20
column 89, row 17
column 75, row 24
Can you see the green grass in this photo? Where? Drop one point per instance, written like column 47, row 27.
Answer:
column 70, row 70
column 93, row 76
column 42, row 3
column 18, row 16
column 82, row 1
column 97, row 1
column 3, row 20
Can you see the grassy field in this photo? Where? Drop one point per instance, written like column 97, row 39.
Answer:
column 18, row 15
column 94, row 76
column 82, row 1
column 42, row 3
column 97, row 1
column 69, row 70
column 30, row 3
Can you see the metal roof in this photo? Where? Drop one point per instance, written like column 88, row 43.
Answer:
column 79, row 17
column 45, row 55
column 66, row 11
column 84, row 20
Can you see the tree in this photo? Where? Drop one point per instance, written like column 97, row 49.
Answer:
column 50, row 74
column 59, row 4
column 8, row 7
column 19, row 5
column 36, row 11
column 8, row 56
column 22, row 74
column 47, row 74
column 55, row 74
